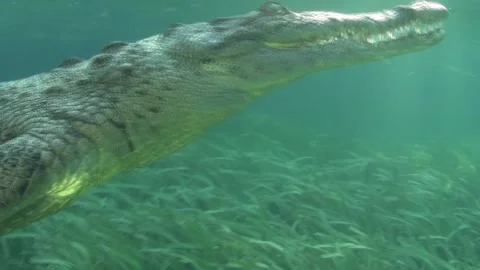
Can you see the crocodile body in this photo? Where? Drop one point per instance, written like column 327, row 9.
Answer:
column 69, row 129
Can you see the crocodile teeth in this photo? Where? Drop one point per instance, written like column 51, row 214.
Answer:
column 415, row 28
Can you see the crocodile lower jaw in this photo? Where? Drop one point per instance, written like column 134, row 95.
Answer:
column 412, row 30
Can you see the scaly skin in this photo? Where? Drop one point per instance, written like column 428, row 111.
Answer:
column 69, row 129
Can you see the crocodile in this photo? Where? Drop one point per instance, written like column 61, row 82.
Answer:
column 73, row 127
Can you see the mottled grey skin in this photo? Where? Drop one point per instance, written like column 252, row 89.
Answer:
column 67, row 130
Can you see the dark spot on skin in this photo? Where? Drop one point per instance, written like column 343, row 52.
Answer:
column 198, row 31
column 119, row 125
column 155, row 68
column 117, row 75
column 70, row 62
column 220, row 29
column 234, row 69
column 59, row 115
column 83, row 82
column 260, row 68
column 80, row 136
column 7, row 136
column 113, row 100
column 242, row 75
column 123, row 128
column 24, row 95
column 206, row 61
column 4, row 100
column 154, row 110
column 69, row 79
column 140, row 116
column 13, row 164
column 114, row 47
column 55, row 90
column 35, row 165
column 101, row 60
column 141, row 92
column 36, row 157
column 22, row 189
column 146, row 81
column 126, row 69
column 133, row 51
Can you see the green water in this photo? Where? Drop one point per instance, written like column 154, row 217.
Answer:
column 369, row 167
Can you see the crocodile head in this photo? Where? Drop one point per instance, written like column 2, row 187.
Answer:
column 275, row 45
column 65, row 131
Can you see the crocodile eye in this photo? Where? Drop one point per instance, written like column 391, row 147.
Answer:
column 274, row 8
